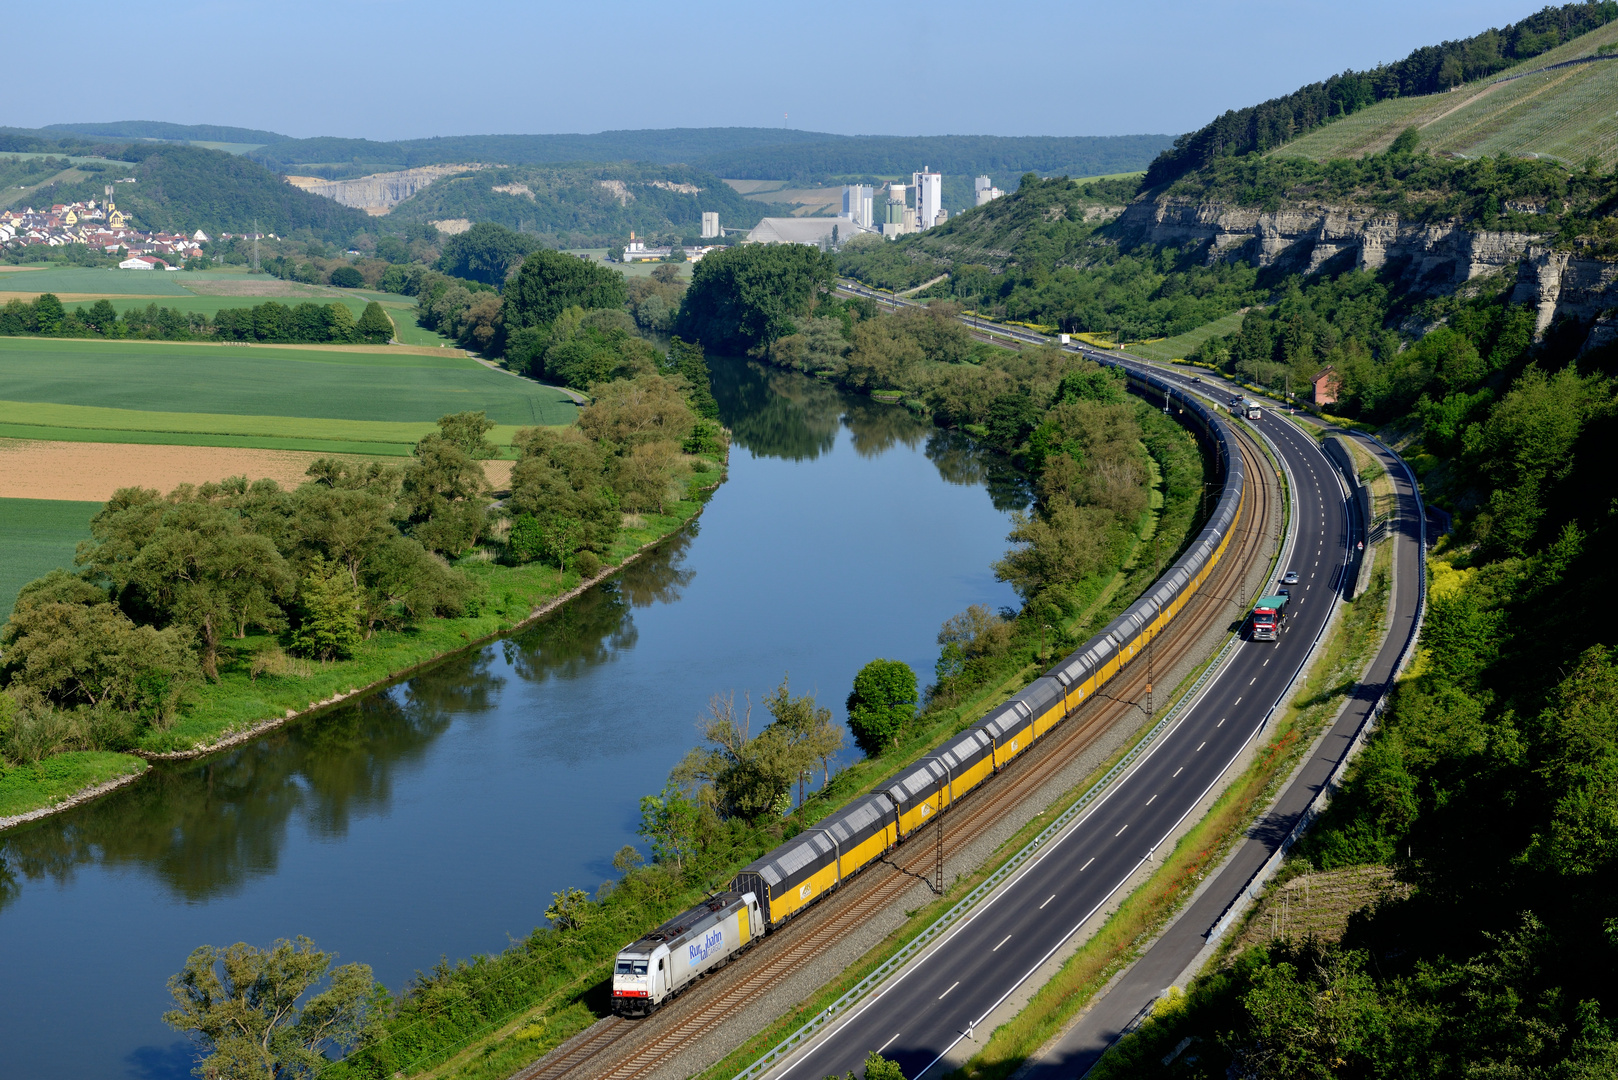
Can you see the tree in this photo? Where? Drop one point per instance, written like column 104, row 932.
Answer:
column 240, row 1007
column 486, row 252
column 882, row 702
column 671, row 823
column 467, row 430
column 746, row 297
column 443, row 496
column 628, row 412
column 374, row 326
column 689, row 361
column 330, row 627
column 550, row 282
column 346, row 277
column 811, row 732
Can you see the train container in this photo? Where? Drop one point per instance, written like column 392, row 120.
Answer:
column 659, row 965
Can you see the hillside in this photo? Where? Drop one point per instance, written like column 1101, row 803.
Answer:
column 584, row 205
column 1566, row 113
column 1427, row 71
column 185, row 188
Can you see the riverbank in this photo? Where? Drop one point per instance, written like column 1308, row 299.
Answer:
column 261, row 689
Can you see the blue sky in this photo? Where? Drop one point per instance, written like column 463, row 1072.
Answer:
column 391, row 69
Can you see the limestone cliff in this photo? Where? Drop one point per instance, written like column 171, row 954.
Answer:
column 1429, row 258
column 380, row 192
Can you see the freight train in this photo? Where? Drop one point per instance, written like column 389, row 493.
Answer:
column 816, row 862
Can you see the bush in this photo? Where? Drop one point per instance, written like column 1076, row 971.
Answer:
column 526, row 541
column 882, row 703
column 346, row 277
column 588, row 563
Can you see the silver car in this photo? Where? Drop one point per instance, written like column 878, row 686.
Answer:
column 1291, row 578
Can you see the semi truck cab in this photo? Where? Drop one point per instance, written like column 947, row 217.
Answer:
column 1265, row 621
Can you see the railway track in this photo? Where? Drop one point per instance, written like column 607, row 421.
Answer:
column 618, row 1049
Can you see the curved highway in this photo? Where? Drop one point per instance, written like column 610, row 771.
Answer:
column 921, row 1014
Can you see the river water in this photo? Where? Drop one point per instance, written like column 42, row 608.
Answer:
column 435, row 818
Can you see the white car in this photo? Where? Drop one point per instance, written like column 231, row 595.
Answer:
column 1291, row 578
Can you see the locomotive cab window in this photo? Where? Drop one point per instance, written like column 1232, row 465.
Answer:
column 632, row 967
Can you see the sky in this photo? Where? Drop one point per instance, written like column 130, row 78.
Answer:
column 396, row 69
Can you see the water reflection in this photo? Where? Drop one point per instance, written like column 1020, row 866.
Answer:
column 777, row 413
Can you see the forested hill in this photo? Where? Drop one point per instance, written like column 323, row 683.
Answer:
column 1429, row 70
column 741, row 153
column 185, row 188
column 584, row 205
column 166, row 132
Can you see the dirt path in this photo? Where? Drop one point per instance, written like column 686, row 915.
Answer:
column 91, row 472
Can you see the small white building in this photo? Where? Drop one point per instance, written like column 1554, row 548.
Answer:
column 140, row 262
column 202, row 238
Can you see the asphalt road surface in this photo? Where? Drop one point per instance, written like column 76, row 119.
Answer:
column 922, row 1013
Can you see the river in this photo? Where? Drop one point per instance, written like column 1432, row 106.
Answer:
column 435, row 818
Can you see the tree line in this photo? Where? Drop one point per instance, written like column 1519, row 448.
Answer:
column 269, row 322
column 99, row 657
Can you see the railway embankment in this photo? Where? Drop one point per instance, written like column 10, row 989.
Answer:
column 247, row 703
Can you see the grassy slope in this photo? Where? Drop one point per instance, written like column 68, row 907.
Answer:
column 1566, row 114
column 37, row 536
column 1176, row 348
column 222, row 379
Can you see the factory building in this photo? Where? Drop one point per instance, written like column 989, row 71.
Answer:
column 985, row 190
column 929, row 198
column 710, row 224
column 858, row 204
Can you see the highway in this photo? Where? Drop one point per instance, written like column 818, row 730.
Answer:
column 919, row 1015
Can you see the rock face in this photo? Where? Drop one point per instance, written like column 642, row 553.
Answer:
column 380, row 192
column 1429, row 258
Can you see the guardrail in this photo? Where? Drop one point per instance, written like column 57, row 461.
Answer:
column 1334, row 780
column 898, row 960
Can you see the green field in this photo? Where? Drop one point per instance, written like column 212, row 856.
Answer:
column 1567, row 114
column 79, row 279
column 263, row 382
column 37, row 536
column 1177, row 347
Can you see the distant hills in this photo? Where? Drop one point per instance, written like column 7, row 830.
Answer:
column 743, row 153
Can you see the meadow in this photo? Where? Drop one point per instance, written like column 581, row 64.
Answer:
column 1566, row 114
column 37, row 536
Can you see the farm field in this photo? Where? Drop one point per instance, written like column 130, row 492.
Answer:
column 1566, row 114
column 37, row 536
column 315, row 383
column 85, row 471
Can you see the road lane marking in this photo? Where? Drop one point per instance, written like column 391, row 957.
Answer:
column 952, row 986
column 1085, row 867
column 1238, row 701
column 1152, row 800
column 1002, row 942
column 1119, row 833
column 1049, row 898
column 1253, row 680
column 1222, row 719
column 889, row 1043
column 1201, row 745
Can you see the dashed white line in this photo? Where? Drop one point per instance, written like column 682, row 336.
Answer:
column 1200, row 746
column 1238, row 701
column 1002, row 942
column 1049, row 898
column 1120, row 832
column 1152, row 800
column 952, row 986
column 889, row 1043
column 1086, row 866
column 1222, row 720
